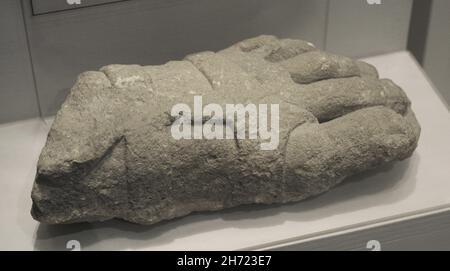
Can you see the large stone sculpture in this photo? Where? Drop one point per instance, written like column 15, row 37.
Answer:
column 110, row 152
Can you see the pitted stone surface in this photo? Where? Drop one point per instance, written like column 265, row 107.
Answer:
column 110, row 152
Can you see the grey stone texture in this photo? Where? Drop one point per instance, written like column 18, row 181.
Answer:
column 110, row 152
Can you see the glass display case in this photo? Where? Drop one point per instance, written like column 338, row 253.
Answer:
column 46, row 45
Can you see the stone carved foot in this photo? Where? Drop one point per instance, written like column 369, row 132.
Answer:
column 110, row 152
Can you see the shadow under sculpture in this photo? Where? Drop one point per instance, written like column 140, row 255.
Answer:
column 110, row 152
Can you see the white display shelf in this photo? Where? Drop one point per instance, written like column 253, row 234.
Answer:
column 408, row 190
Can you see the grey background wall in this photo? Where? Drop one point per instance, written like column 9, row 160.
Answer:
column 357, row 29
column 17, row 92
column 63, row 44
column 436, row 60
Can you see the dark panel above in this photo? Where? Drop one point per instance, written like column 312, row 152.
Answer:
column 40, row 7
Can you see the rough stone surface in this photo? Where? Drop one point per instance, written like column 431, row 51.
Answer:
column 110, row 153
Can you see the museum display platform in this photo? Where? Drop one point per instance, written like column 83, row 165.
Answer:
column 400, row 203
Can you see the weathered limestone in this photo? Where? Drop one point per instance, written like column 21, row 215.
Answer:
column 110, row 152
